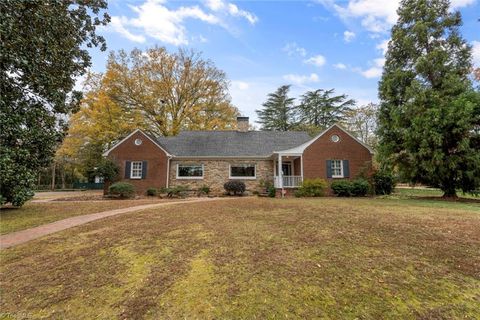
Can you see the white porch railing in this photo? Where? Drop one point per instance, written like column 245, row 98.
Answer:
column 288, row 181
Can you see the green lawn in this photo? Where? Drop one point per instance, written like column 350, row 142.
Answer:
column 255, row 258
column 428, row 192
column 34, row 214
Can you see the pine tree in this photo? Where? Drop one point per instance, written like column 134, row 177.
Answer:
column 321, row 108
column 429, row 119
column 277, row 111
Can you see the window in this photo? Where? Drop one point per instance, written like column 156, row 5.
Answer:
column 189, row 171
column 335, row 138
column 337, row 169
column 138, row 142
column 242, row 171
column 136, row 170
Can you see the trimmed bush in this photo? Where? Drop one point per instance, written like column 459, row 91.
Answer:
column 178, row 191
column 311, row 188
column 342, row 188
column 272, row 192
column 204, row 190
column 122, row 189
column 359, row 187
column 234, row 186
column 383, row 182
column 152, row 192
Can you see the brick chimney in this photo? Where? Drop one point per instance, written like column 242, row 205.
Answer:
column 242, row 124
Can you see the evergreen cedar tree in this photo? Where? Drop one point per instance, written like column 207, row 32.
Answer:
column 277, row 111
column 39, row 64
column 429, row 119
column 317, row 110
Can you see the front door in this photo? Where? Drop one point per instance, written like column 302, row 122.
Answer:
column 287, row 168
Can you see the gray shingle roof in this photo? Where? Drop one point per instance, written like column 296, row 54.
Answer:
column 231, row 143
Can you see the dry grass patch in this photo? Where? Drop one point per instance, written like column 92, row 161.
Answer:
column 255, row 258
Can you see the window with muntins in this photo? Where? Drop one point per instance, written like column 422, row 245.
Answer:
column 136, row 170
column 190, row 171
column 337, row 169
column 242, row 171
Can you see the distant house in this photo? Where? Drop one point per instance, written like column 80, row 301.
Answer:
column 198, row 158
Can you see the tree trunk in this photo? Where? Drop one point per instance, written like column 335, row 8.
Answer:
column 449, row 194
column 53, row 175
column 62, row 176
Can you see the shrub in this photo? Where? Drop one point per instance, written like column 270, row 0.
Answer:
column 311, row 188
column 383, row 182
column 107, row 169
column 178, row 191
column 234, row 186
column 2, row 200
column 122, row 189
column 272, row 192
column 204, row 190
column 359, row 187
column 152, row 192
column 342, row 188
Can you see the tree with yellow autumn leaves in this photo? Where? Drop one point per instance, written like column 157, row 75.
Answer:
column 155, row 90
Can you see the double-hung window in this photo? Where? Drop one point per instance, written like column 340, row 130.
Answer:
column 136, row 170
column 337, row 169
column 189, row 171
column 242, row 171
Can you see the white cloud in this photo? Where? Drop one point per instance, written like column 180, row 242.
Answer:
column 292, row 49
column 155, row 20
column 383, row 46
column 317, row 60
column 375, row 71
column 236, row 12
column 231, row 9
column 340, row 66
column 117, row 24
column 476, row 53
column 376, row 16
column 301, row 79
column 348, row 36
column 240, row 85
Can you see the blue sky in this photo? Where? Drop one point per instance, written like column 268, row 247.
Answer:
column 264, row 44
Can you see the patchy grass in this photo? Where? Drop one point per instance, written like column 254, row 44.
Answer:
column 34, row 214
column 421, row 192
column 255, row 259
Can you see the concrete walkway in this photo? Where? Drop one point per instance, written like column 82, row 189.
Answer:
column 19, row 237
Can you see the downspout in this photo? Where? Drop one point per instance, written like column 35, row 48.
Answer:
column 168, row 169
column 280, row 174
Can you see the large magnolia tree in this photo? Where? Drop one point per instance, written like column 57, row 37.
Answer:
column 172, row 91
column 43, row 50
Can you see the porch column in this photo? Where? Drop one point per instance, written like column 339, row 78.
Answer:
column 280, row 172
column 274, row 170
column 301, row 166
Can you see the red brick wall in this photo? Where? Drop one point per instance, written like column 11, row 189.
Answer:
column 297, row 167
column 323, row 149
column 147, row 151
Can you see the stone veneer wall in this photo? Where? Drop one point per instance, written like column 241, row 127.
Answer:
column 216, row 173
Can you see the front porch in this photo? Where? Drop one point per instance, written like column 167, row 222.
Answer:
column 288, row 170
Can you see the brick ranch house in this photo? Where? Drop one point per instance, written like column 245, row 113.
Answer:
column 198, row 158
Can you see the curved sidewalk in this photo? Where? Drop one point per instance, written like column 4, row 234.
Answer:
column 19, row 237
